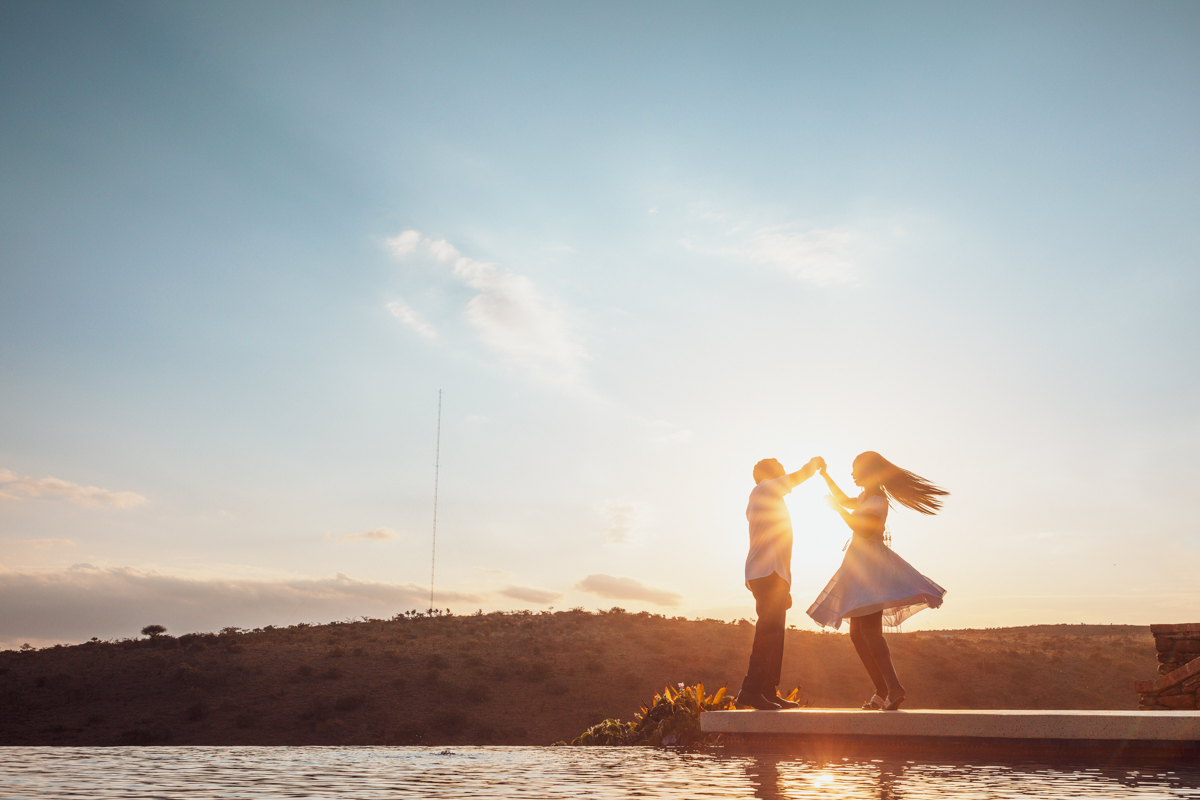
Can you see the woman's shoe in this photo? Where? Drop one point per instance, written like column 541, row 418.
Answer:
column 893, row 703
column 874, row 704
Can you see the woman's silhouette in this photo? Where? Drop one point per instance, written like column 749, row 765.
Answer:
column 874, row 586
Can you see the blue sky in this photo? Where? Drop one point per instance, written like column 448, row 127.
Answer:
column 638, row 247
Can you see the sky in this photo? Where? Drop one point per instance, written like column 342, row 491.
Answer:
column 631, row 248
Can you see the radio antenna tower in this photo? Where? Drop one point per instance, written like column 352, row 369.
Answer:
column 437, row 462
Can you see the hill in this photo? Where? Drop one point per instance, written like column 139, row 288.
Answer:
column 516, row 678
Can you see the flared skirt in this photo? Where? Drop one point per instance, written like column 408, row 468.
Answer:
column 873, row 577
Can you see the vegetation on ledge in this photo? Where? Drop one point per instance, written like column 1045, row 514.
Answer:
column 672, row 719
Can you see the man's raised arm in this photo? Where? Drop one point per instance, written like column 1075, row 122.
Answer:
column 807, row 471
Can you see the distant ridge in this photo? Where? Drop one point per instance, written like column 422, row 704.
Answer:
column 517, row 678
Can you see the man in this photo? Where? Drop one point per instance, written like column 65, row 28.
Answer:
column 769, row 579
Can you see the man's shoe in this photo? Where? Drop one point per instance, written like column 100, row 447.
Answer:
column 782, row 703
column 755, row 700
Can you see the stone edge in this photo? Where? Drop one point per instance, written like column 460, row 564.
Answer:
column 720, row 722
column 874, row 746
column 1183, row 627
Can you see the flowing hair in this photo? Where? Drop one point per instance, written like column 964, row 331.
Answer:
column 906, row 488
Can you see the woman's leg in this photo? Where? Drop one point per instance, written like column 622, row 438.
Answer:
column 872, row 629
column 859, row 637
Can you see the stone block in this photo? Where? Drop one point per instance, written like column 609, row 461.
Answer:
column 1178, row 701
column 1172, row 690
column 1187, row 646
column 1170, row 677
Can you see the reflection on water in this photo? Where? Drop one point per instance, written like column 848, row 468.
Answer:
column 547, row 772
column 781, row 778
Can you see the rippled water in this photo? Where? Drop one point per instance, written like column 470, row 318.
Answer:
column 547, row 772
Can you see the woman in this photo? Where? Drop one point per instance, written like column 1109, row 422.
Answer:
column 874, row 586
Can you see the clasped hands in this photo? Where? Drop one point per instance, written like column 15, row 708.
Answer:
column 817, row 464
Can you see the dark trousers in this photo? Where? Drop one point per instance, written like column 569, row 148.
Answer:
column 772, row 599
column 867, row 634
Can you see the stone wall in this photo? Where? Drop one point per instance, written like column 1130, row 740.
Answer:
column 1176, row 645
column 1178, row 687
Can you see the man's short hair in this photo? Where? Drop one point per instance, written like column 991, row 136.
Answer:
column 766, row 469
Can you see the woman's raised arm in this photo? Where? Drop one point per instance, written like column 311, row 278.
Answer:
column 844, row 500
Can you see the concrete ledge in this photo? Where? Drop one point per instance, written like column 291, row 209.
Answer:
column 1050, row 734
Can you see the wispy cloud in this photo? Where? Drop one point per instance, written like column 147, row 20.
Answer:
column 404, row 244
column 15, row 487
column 84, row 601
column 821, row 256
column 621, row 519
column 509, row 314
column 664, row 432
column 614, row 588
column 530, row 595
column 373, row 535
column 411, row 319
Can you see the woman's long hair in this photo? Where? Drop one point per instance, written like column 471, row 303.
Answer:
column 906, row 488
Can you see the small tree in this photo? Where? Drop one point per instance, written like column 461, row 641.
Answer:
column 153, row 631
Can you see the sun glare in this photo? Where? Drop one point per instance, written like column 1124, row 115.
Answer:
column 823, row 780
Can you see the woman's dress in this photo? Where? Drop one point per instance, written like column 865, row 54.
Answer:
column 874, row 578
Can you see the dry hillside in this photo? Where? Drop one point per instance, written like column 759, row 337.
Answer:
column 511, row 678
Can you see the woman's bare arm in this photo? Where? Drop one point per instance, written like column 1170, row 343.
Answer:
column 844, row 500
column 862, row 525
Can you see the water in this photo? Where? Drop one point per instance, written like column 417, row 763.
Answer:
column 259, row 773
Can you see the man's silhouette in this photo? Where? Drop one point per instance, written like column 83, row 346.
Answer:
column 769, row 578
